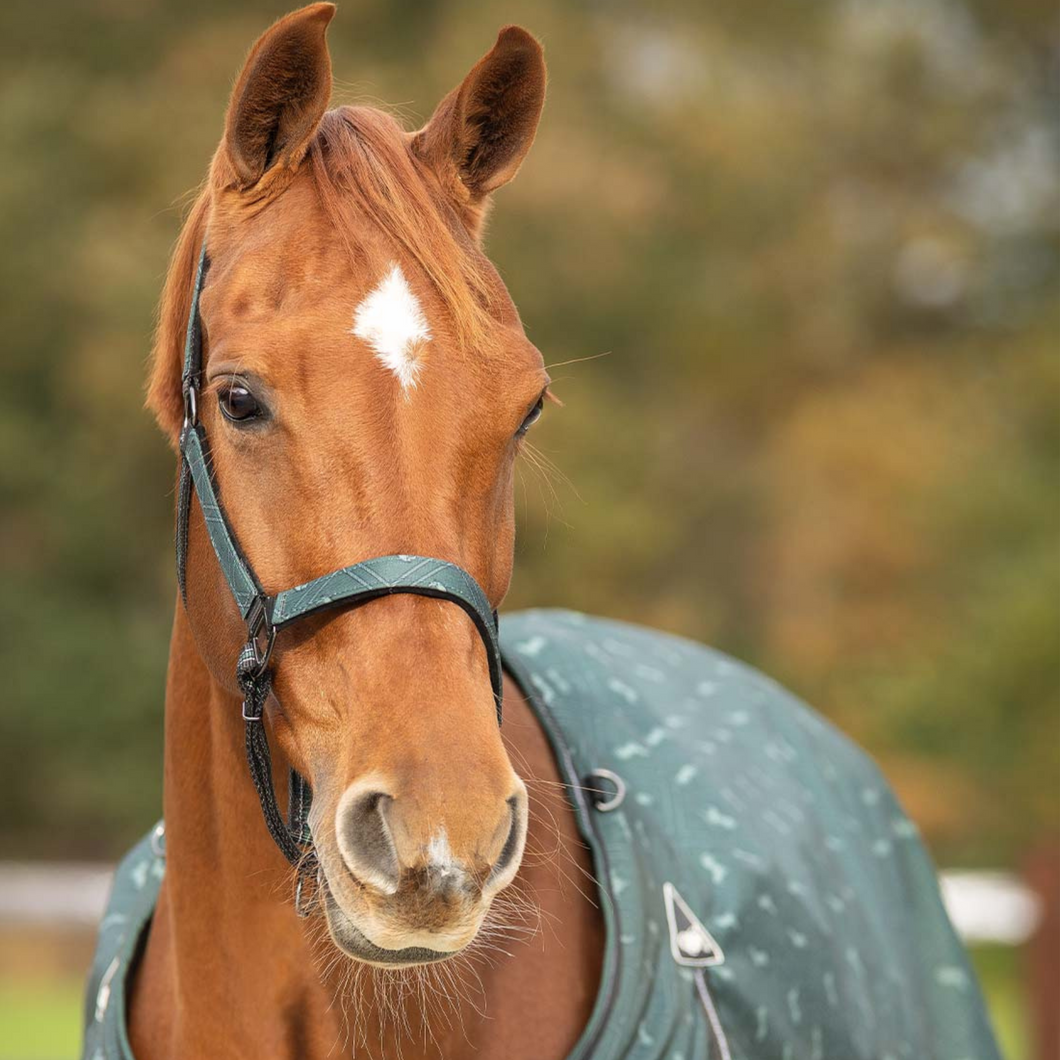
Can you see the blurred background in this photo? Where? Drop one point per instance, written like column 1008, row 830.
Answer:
column 818, row 244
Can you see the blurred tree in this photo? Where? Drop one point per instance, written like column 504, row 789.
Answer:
column 819, row 245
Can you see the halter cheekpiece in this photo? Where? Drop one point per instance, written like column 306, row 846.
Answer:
column 265, row 615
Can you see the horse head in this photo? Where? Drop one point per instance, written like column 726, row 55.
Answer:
column 366, row 386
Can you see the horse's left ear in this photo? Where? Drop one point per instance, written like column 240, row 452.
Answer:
column 481, row 132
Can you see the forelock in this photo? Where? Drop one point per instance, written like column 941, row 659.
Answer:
column 364, row 170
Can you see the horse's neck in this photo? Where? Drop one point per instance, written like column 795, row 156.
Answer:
column 230, row 969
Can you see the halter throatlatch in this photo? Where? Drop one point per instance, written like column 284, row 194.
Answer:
column 265, row 615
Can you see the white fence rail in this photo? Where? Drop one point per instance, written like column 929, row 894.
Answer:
column 984, row 906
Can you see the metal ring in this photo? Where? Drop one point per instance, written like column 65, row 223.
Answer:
column 158, row 840
column 264, row 652
column 258, row 625
column 304, row 907
column 602, row 802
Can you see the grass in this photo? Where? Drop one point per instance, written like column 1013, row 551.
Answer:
column 40, row 1020
column 1000, row 970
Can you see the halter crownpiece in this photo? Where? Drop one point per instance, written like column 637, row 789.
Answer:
column 266, row 614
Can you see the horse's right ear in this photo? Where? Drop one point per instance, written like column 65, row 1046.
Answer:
column 280, row 96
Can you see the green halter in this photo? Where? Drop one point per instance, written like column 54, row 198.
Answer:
column 266, row 614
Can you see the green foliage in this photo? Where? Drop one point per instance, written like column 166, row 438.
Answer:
column 820, row 248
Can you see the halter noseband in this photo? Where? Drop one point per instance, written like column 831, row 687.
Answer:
column 265, row 615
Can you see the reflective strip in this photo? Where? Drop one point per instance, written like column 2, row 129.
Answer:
column 103, row 993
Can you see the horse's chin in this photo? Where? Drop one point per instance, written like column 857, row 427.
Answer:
column 355, row 943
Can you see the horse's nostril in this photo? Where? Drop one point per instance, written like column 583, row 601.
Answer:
column 507, row 862
column 362, row 831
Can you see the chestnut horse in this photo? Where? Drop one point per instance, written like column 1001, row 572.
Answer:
column 366, row 387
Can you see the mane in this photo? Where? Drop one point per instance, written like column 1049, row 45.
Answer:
column 363, row 169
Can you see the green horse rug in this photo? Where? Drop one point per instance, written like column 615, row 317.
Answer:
column 765, row 897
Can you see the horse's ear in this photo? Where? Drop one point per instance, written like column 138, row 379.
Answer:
column 280, row 96
column 481, row 132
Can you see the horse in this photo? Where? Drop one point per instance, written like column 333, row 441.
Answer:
column 347, row 384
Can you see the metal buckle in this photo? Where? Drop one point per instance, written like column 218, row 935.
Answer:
column 191, row 404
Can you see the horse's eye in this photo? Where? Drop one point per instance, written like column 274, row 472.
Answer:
column 238, row 403
column 532, row 418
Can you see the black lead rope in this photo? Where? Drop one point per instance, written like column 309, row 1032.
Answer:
column 256, row 684
column 265, row 615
